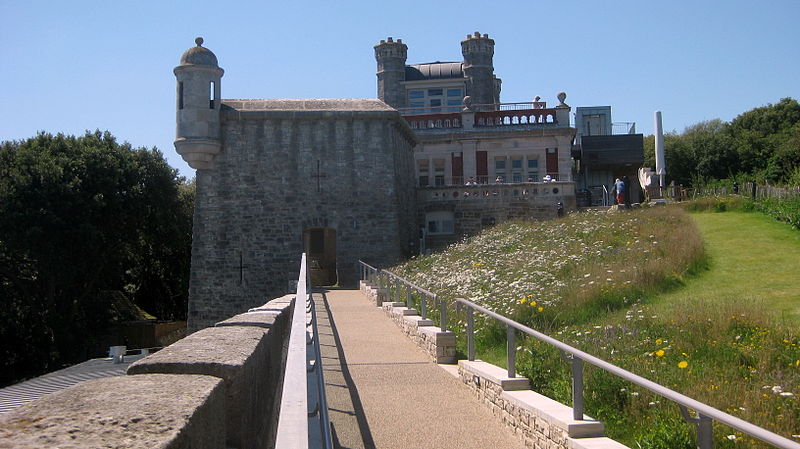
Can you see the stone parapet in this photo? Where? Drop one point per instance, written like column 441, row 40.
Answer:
column 246, row 351
column 153, row 410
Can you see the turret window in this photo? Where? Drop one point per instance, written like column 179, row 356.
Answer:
column 212, row 94
column 180, row 94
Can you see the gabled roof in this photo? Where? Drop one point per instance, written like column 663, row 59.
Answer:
column 434, row 70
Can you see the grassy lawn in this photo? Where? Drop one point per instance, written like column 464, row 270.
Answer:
column 752, row 259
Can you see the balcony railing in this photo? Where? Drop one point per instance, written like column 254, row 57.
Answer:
column 529, row 191
column 501, row 114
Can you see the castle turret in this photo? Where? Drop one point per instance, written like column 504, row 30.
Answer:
column 482, row 86
column 391, row 57
column 197, row 137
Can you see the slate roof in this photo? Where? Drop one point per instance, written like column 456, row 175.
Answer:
column 434, row 70
column 359, row 104
column 19, row 394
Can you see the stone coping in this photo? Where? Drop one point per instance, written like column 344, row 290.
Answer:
column 417, row 321
column 259, row 318
column 152, row 410
column 555, row 413
column 495, row 374
column 595, row 443
column 403, row 310
column 212, row 348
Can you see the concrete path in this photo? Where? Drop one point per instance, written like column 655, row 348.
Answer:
column 384, row 392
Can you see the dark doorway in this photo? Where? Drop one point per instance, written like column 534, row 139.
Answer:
column 320, row 246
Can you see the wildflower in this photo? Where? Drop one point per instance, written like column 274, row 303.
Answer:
column 540, row 309
column 660, row 353
column 533, row 303
column 523, row 301
column 683, row 364
column 731, row 437
column 477, row 264
column 659, row 341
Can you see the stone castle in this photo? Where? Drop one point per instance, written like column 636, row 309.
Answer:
column 372, row 179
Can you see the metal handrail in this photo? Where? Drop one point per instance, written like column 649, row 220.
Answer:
column 442, row 305
column 293, row 421
column 705, row 413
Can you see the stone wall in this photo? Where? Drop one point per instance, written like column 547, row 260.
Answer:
column 290, row 165
column 440, row 345
column 217, row 388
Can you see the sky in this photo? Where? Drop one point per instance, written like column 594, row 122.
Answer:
column 84, row 65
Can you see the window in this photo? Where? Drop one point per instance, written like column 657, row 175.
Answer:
column 533, row 163
column 516, row 163
column 417, row 104
column 423, row 181
column 435, row 92
column 180, row 94
column 499, row 164
column 435, row 103
column 454, row 92
column 211, row 94
column 438, row 172
column 416, row 94
column 440, row 222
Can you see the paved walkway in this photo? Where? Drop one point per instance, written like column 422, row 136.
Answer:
column 384, row 392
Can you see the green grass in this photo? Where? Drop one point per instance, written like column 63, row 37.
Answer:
column 751, row 258
column 713, row 318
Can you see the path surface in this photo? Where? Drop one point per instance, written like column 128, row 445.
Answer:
column 384, row 392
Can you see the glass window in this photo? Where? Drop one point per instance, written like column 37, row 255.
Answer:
column 454, row 102
column 438, row 165
column 423, row 181
column 438, row 180
column 533, row 176
column 517, row 177
column 533, row 163
column 434, row 92
column 416, row 104
column 423, row 165
column 440, row 222
column 516, row 163
column 416, row 94
column 454, row 92
column 499, row 164
column 436, row 102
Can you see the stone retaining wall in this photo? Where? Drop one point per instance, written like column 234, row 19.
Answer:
column 441, row 346
column 217, row 388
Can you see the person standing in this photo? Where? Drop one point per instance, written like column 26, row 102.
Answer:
column 619, row 186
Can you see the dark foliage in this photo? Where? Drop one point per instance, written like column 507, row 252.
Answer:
column 81, row 218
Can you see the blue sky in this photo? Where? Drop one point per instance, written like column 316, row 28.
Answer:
column 78, row 65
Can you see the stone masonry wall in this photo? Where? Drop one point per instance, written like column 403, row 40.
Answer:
column 281, row 172
column 215, row 389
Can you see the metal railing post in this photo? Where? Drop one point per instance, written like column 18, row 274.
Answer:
column 470, row 334
column 409, row 298
column 705, row 432
column 442, row 312
column 511, row 351
column 423, row 305
column 576, row 367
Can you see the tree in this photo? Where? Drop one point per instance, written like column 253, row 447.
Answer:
column 81, row 217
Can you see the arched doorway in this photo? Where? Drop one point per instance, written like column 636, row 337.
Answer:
column 320, row 246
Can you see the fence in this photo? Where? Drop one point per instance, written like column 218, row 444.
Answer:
column 704, row 417
column 750, row 189
column 298, row 426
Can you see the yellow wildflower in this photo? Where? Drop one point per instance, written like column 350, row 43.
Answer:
column 523, row 301
column 659, row 341
column 683, row 364
column 660, row 353
column 533, row 303
column 540, row 309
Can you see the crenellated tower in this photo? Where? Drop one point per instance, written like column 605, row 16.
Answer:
column 197, row 136
column 478, row 52
column 391, row 57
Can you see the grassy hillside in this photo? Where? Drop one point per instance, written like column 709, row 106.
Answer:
column 716, row 321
